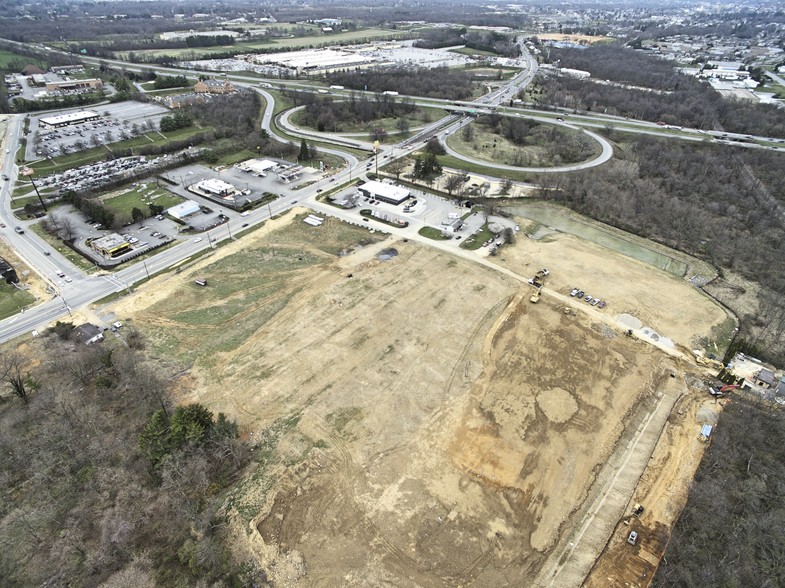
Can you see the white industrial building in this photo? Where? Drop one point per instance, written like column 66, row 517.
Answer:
column 315, row 60
column 384, row 192
column 183, row 210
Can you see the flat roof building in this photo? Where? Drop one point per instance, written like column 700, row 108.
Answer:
column 260, row 167
column 216, row 186
column 290, row 173
column 69, row 118
column 111, row 245
column 385, row 192
column 88, row 84
column 183, row 210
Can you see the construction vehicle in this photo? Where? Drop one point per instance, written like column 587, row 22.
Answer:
column 535, row 298
column 721, row 391
column 539, row 278
column 703, row 360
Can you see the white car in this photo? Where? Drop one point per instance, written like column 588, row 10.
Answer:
column 68, row 279
column 198, row 240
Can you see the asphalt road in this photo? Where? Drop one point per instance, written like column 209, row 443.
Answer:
column 84, row 289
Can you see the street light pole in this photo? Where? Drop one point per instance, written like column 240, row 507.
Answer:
column 146, row 270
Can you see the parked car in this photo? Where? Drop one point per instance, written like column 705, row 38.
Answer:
column 633, row 537
column 595, row 301
column 574, row 292
column 602, row 304
column 588, row 298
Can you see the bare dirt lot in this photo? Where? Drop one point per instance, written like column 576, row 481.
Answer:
column 417, row 421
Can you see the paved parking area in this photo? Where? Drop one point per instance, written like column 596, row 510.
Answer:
column 116, row 122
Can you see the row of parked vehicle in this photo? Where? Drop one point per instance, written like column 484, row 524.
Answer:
column 577, row 293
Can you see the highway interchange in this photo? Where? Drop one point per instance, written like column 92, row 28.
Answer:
column 84, row 289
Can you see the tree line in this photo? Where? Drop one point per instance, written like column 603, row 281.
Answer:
column 729, row 533
column 673, row 98
column 438, row 82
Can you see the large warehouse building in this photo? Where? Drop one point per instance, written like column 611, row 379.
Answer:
column 384, row 192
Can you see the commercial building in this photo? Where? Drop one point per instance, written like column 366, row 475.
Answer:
column 74, row 85
column 213, row 86
column 216, row 187
column 258, row 167
column 69, row 118
column 112, row 245
column 316, row 60
column 183, row 210
column 290, row 173
column 385, row 192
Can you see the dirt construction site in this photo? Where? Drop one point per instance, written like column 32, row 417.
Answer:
column 419, row 422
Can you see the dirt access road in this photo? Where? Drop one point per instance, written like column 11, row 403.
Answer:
column 419, row 423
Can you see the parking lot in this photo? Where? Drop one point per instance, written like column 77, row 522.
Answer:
column 116, row 122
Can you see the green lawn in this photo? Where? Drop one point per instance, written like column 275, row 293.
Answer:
column 140, row 197
column 7, row 58
column 434, row 233
column 476, row 241
column 12, row 300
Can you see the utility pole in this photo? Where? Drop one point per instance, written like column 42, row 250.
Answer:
column 146, row 270
column 29, row 173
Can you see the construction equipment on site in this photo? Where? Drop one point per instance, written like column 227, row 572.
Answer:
column 707, row 361
column 535, row 298
column 637, row 510
column 721, row 391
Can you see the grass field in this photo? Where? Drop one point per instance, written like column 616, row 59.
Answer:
column 12, row 300
column 433, row 233
column 197, row 318
column 140, row 196
column 9, row 57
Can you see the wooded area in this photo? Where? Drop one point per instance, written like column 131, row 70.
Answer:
column 334, row 116
column 437, row 82
column 671, row 97
column 730, row 532
column 561, row 145
column 102, row 481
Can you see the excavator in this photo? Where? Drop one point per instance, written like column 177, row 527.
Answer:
column 721, row 391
